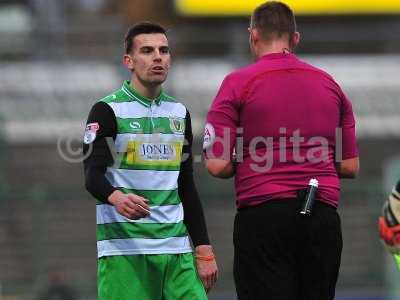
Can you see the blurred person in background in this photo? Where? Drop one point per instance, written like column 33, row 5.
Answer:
column 274, row 125
column 389, row 223
column 139, row 168
column 57, row 287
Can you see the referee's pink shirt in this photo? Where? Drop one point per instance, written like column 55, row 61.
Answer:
column 274, row 100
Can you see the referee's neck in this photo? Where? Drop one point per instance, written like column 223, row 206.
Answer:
column 270, row 47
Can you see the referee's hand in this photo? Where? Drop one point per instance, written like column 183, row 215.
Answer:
column 129, row 205
column 206, row 266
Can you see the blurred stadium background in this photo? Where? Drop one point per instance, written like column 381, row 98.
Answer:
column 57, row 57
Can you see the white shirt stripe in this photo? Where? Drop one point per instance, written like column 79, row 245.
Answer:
column 158, row 214
column 143, row 179
column 170, row 109
column 130, row 109
column 134, row 109
column 134, row 246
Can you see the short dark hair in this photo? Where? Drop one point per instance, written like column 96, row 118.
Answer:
column 274, row 19
column 141, row 28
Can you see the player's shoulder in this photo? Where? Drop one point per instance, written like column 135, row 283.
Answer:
column 115, row 97
column 104, row 105
column 168, row 98
column 172, row 104
column 101, row 110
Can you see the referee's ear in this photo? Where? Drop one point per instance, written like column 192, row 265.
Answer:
column 295, row 40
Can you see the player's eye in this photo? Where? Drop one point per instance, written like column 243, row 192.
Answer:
column 164, row 50
column 146, row 50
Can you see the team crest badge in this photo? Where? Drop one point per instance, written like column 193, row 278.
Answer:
column 177, row 125
column 90, row 132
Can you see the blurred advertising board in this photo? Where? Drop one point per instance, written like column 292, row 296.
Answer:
column 301, row 7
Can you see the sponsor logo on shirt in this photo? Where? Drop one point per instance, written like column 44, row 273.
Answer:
column 154, row 153
column 157, row 151
column 134, row 125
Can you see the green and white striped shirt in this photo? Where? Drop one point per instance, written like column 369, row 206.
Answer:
column 148, row 145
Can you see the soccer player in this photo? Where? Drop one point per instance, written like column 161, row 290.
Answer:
column 139, row 167
column 288, row 122
column 389, row 223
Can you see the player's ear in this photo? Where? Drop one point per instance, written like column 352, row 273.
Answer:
column 128, row 61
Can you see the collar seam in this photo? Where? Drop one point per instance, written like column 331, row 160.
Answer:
column 132, row 96
column 143, row 102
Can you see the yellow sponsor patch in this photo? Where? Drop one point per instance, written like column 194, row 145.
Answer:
column 158, row 153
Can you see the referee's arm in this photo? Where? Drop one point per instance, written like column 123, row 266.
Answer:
column 222, row 122
column 220, row 168
column 349, row 166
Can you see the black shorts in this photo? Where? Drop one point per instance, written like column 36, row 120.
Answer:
column 282, row 255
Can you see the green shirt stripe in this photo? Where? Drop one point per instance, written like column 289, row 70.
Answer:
column 144, row 125
column 155, row 197
column 140, row 230
column 125, row 165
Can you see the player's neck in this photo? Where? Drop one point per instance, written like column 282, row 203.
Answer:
column 277, row 46
column 150, row 91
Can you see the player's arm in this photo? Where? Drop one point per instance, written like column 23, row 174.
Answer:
column 194, row 215
column 99, row 133
column 98, row 148
column 349, row 166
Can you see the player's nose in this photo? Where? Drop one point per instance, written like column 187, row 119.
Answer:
column 157, row 55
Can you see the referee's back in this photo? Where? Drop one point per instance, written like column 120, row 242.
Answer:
column 294, row 122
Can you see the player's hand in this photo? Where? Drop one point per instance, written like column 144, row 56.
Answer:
column 389, row 226
column 130, row 206
column 389, row 222
column 206, row 266
column 390, row 236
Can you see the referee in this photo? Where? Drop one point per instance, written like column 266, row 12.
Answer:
column 275, row 125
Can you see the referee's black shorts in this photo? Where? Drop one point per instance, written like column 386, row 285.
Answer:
column 282, row 255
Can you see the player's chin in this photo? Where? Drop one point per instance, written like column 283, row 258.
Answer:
column 158, row 79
